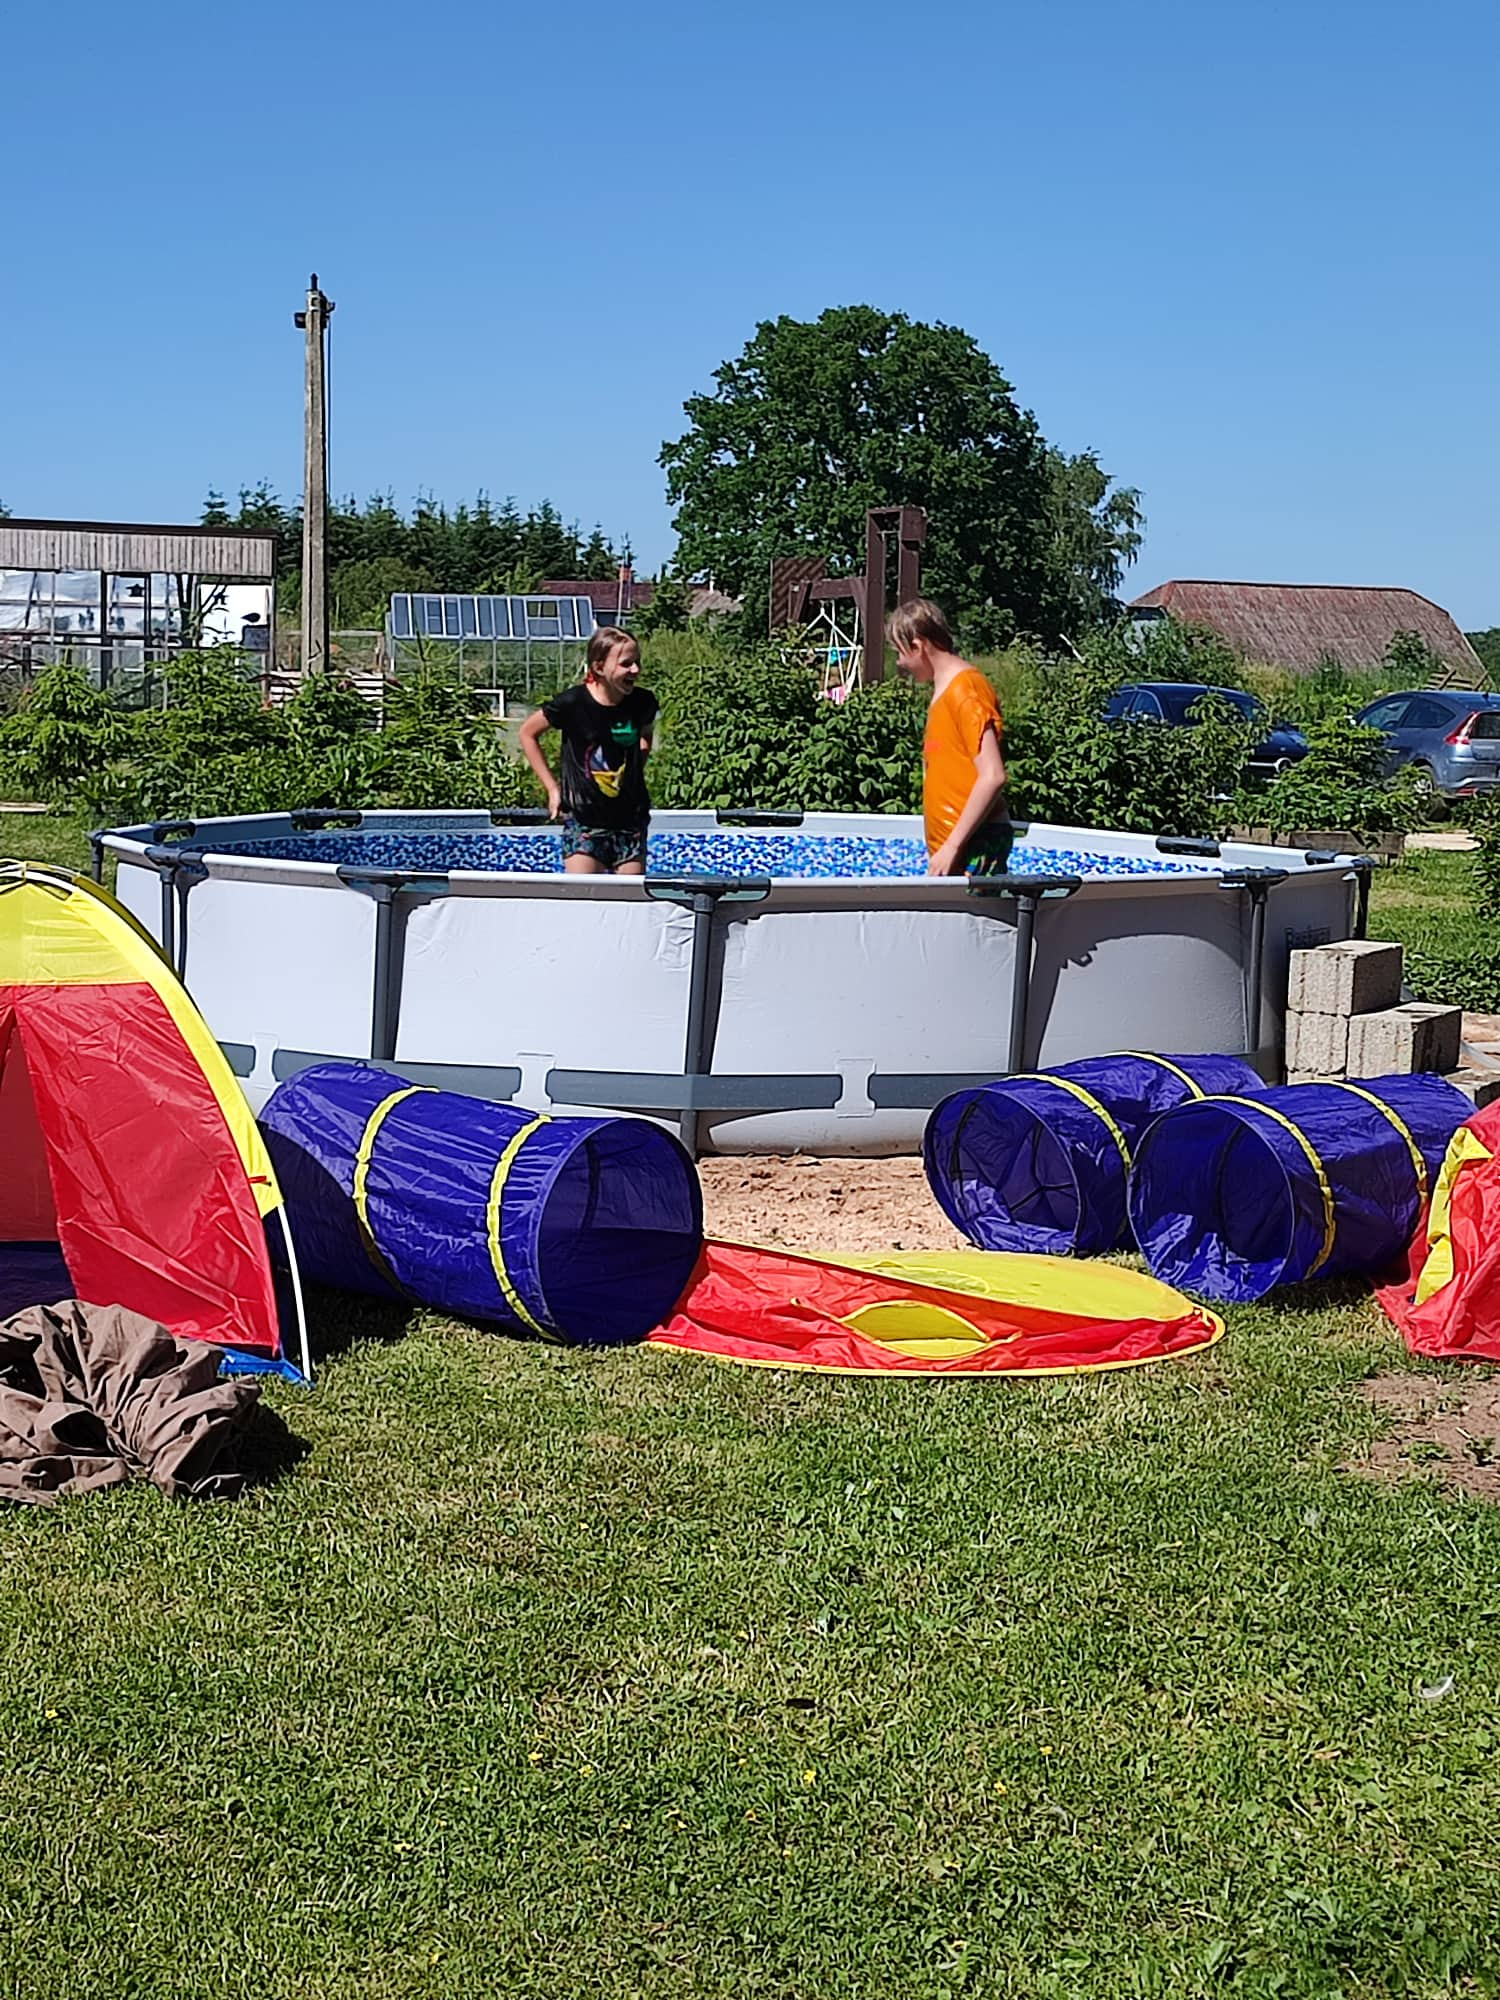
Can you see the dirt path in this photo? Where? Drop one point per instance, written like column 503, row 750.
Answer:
column 808, row 1204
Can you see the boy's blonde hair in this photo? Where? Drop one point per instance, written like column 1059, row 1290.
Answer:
column 919, row 618
column 602, row 642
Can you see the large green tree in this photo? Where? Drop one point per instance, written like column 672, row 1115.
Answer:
column 817, row 421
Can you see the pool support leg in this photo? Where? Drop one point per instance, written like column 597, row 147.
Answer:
column 1027, row 892
column 1364, row 870
column 383, row 1011
column 702, row 895
column 180, row 869
column 696, row 1040
column 386, row 888
column 1257, row 884
column 1020, row 980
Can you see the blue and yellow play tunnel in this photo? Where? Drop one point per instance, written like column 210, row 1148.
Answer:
column 582, row 1229
column 1041, row 1163
column 1232, row 1196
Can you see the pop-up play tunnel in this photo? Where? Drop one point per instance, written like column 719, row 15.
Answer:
column 1232, row 1196
column 1042, row 1163
column 582, row 1229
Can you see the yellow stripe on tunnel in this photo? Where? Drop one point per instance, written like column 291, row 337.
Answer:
column 1314, row 1159
column 1419, row 1165
column 492, row 1222
column 363, row 1160
column 1140, row 1055
column 1091, row 1103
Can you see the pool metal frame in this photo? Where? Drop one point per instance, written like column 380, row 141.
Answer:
column 174, row 849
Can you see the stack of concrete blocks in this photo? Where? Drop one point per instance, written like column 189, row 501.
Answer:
column 1346, row 1019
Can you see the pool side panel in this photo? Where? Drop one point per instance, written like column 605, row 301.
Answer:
column 849, row 991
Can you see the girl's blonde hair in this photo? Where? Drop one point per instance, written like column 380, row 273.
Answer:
column 919, row 618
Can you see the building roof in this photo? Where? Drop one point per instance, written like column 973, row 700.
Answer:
column 608, row 598
column 131, row 548
column 1297, row 625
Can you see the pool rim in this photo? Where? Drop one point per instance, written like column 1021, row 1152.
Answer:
column 148, row 843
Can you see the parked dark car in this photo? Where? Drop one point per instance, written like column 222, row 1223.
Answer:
column 1449, row 737
column 1173, row 702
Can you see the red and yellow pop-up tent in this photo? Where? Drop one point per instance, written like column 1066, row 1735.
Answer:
column 131, row 1169
column 1452, row 1306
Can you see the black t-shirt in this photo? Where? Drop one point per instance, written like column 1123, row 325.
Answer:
column 603, row 776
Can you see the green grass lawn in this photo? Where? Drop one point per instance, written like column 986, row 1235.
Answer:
column 1428, row 902
column 549, row 1674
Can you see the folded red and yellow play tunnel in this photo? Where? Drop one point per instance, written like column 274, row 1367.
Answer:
column 1452, row 1306
column 931, row 1313
column 1041, row 1163
column 1232, row 1196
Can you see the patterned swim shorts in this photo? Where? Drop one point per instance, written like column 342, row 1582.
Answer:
column 989, row 849
column 610, row 846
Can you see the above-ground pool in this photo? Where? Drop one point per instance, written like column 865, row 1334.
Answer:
column 767, row 987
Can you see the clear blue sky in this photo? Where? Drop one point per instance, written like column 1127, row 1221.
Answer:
column 1247, row 252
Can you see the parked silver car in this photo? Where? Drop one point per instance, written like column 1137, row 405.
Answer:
column 1450, row 737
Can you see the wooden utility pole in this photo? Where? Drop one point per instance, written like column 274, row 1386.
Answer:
column 314, row 322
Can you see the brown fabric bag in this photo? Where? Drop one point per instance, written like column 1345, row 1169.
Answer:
column 94, row 1395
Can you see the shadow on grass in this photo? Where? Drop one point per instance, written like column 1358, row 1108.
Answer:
column 266, row 1450
column 339, row 1321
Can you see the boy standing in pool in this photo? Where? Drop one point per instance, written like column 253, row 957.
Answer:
column 963, row 770
column 605, row 720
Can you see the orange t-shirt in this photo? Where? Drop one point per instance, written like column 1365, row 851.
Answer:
column 956, row 723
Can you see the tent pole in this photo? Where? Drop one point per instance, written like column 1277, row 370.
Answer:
column 303, row 1344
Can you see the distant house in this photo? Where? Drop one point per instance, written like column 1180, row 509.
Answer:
column 615, row 600
column 1298, row 625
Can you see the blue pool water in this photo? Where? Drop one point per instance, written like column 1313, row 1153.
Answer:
column 728, row 852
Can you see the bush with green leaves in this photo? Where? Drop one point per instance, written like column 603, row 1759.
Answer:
column 216, row 748
column 865, row 754
column 1338, row 786
column 734, row 734
column 1072, row 768
column 1164, row 649
column 63, row 730
column 1484, row 823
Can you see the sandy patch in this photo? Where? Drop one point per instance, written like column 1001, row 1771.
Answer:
column 810, row 1204
column 1444, row 1431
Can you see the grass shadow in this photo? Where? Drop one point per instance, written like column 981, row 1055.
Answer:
column 339, row 1321
column 266, row 1449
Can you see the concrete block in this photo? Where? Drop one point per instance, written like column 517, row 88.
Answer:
column 1317, row 1043
column 1405, row 1041
column 1310, row 1076
column 1359, row 976
column 1480, row 1086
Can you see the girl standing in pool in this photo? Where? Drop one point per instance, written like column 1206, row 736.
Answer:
column 605, row 720
column 963, row 769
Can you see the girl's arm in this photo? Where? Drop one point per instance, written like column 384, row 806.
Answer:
column 533, row 729
column 989, row 783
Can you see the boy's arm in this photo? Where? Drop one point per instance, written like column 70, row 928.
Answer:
column 533, row 729
column 989, row 783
